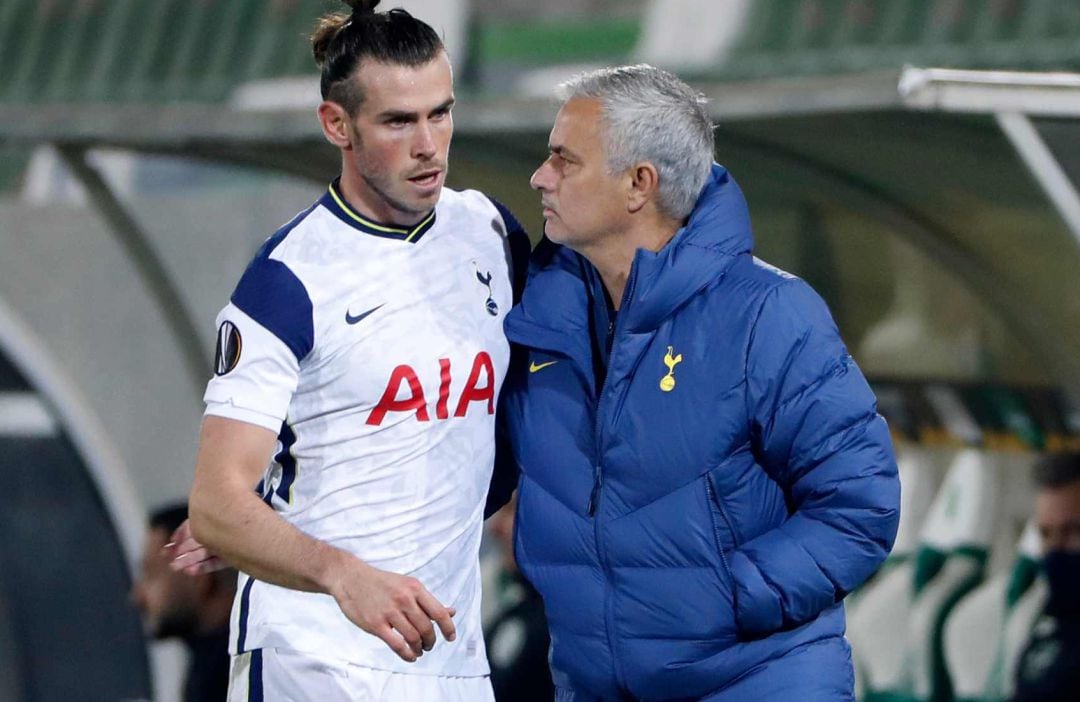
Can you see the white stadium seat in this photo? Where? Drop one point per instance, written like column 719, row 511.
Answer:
column 974, row 641
column 881, row 609
column 950, row 561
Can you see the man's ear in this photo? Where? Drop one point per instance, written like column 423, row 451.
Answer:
column 335, row 124
column 644, row 185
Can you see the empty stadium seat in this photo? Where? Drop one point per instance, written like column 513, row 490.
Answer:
column 879, row 610
column 949, row 562
column 875, row 623
column 974, row 640
column 672, row 37
column 1025, row 598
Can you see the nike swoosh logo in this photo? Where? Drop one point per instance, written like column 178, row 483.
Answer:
column 353, row 320
column 534, row 366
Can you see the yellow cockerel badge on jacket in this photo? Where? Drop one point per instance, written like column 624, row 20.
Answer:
column 667, row 383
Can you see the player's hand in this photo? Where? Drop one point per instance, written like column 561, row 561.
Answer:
column 396, row 608
column 188, row 555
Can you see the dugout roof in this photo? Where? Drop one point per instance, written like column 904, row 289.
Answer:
column 974, row 169
column 817, row 119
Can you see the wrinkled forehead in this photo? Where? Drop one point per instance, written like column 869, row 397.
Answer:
column 578, row 127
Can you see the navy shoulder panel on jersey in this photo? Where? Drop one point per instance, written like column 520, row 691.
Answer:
column 520, row 247
column 271, row 294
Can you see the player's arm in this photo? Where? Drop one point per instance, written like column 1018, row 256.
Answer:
column 231, row 520
column 265, row 333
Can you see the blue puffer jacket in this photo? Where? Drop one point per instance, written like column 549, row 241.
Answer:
column 706, row 511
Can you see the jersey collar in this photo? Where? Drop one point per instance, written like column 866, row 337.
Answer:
column 335, row 202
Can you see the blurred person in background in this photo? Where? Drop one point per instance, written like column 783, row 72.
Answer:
column 360, row 357
column 516, row 633
column 704, row 475
column 1049, row 666
column 192, row 609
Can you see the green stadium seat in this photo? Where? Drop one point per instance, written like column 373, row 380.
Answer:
column 37, row 52
column 85, row 22
column 235, row 41
column 16, row 20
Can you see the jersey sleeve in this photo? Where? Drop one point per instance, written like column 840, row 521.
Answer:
column 520, row 248
column 264, row 334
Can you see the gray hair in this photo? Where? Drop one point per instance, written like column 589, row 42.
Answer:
column 651, row 115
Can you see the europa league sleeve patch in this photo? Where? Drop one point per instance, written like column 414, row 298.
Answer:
column 229, row 345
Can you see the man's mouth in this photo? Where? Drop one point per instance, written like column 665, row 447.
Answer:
column 426, row 178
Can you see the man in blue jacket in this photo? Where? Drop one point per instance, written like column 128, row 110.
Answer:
column 704, row 475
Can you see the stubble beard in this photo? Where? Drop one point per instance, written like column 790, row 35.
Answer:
column 380, row 186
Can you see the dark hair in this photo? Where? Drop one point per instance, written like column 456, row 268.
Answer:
column 169, row 517
column 340, row 42
column 1057, row 470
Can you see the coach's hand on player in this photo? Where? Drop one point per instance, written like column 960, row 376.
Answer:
column 188, row 555
column 396, row 608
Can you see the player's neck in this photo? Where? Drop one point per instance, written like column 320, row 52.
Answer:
column 371, row 205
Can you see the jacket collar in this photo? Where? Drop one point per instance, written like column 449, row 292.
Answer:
column 554, row 306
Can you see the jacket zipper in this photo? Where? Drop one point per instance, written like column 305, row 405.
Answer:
column 597, row 492
column 598, row 471
column 714, row 495
column 715, row 498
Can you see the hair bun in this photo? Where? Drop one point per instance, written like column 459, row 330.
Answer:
column 362, row 7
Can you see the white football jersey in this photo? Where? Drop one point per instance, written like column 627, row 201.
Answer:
column 377, row 353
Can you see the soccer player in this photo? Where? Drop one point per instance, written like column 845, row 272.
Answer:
column 360, row 357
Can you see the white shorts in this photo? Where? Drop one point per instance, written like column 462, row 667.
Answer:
column 279, row 675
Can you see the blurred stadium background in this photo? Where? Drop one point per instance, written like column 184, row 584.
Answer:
column 148, row 146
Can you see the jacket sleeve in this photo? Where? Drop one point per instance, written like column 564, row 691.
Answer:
column 816, row 431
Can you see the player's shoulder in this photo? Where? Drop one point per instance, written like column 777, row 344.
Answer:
column 479, row 204
column 274, row 245
column 464, row 204
column 302, row 237
column 492, row 216
column 271, row 291
column 467, row 199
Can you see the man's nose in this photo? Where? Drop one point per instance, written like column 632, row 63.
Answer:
column 541, row 177
column 424, row 144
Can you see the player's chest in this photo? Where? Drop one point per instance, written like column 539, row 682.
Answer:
column 424, row 327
